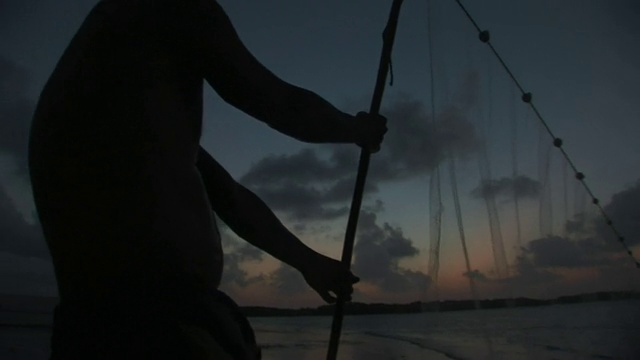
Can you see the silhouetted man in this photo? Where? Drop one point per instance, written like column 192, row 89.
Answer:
column 125, row 193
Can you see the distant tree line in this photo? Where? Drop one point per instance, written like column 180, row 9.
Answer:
column 357, row 308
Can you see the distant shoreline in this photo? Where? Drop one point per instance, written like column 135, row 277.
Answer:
column 357, row 308
column 45, row 305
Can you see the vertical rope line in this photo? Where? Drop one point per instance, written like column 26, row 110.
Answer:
column 450, row 156
column 435, row 189
column 565, row 190
column 515, row 171
column 497, row 243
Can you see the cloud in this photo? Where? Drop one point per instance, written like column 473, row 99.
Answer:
column 236, row 254
column 233, row 273
column 556, row 251
column 302, row 185
column 303, row 167
column 376, row 207
column 527, row 273
column 476, row 275
column 521, row 186
column 15, row 113
column 579, row 225
column 316, row 184
column 301, row 202
column 591, row 234
column 377, row 253
column 596, row 236
column 415, row 145
column 623, row 210
column 25, row 262
column 18, row 236
column 557, row 266
column 563, row 252
column 288, row 281
column 589, row 258
column 26, row 275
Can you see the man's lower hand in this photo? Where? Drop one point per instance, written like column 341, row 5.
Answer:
column 329, row 278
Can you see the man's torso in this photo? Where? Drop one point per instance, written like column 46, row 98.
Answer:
column 112, row 158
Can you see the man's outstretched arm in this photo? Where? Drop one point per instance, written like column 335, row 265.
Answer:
column 250, row 218
column 241, row 80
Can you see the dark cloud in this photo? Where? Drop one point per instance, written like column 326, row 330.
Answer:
column 25, row 262
column 579, row 225
column 288, row 281
column 377, row 253
column 593, row 232
column 593, row 240
column 542, row 266
column 15, row 113
column 563, row 252
column 556, row 251
column 300, row 202
column 404, row 280
column 236, row 254
column 624, row 211
column 415, row 144
column 376, row 207
column 303, row 167
column 309, row 186
column 313, row 229
column 13, row 80
column 17, row 235
column 304, row 185
column 522, row 186
column 476, row 275
column 234, row 274
column 528, row 274
column 589, row 244
column 342, row 190
column 248, row 252
column 27, row 275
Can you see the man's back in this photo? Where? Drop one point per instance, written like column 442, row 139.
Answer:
column 112, row 156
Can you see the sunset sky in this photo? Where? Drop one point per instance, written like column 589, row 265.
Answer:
column 580, row 60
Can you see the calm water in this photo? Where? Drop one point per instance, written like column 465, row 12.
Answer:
column 604, row 330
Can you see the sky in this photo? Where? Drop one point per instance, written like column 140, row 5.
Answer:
column 579, row 59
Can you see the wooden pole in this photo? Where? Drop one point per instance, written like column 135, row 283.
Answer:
column 388, row 37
